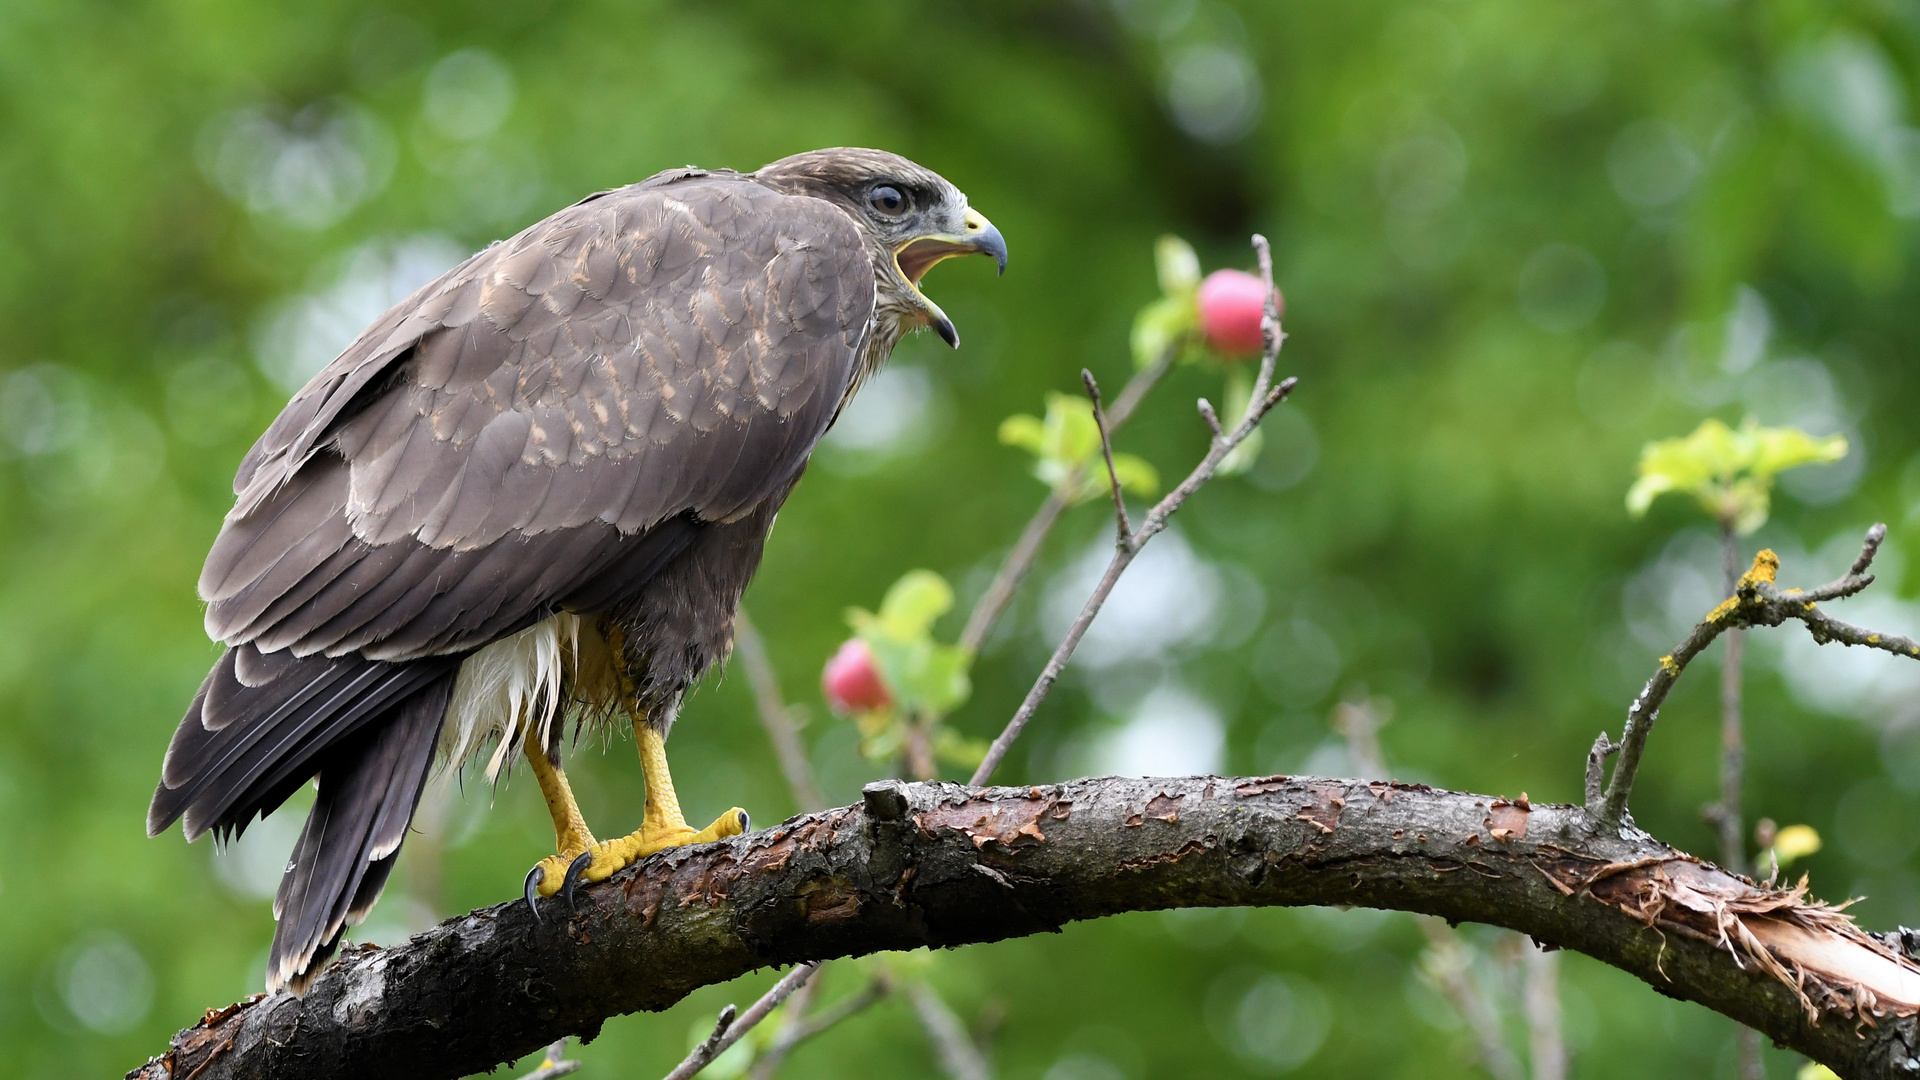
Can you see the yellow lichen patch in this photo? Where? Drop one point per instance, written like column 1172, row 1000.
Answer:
column 1765, row 566
column 1873, row 639
column 1670, row 665
column 1726, row 608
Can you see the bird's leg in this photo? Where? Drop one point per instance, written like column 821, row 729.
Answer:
column 662, row 827
column 570, row 832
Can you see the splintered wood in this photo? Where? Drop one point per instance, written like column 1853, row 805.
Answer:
column 1814, row 948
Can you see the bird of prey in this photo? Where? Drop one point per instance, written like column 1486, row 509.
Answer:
column 532, row 494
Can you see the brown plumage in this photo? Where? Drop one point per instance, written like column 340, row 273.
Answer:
column 599, row 416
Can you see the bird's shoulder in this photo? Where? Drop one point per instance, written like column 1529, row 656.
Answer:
column 669, row 350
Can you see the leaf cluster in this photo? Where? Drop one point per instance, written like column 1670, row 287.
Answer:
column 927, row 677
column 1729, row 472
column 1065, row 445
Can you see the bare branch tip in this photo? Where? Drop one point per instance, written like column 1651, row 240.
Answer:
column 1093, row 388
column 1869, row 548
column 1212, row 419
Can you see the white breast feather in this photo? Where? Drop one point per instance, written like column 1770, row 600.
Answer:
column 508, row 687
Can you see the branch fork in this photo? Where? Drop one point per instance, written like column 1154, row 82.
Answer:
column 1756, row 601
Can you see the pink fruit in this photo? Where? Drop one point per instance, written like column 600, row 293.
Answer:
column 1231, row 302
column 852, row 680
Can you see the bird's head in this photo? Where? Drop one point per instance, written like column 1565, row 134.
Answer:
column 912, row 218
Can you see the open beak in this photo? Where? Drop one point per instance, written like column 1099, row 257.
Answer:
column 917, row 256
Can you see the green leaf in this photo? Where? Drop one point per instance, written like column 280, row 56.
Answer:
column 1783, row 448
column 1068, row 441
column 1026, row 432
column 1730, row 473
column 1795, row 842
column 913, row 603
column 1164, row 324
column 925, row 676
column 884, row 744
column 954, row 748
column 1177, row 266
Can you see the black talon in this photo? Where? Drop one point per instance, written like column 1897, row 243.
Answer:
column 574, row 869
column 746, row 822
column 534, row 877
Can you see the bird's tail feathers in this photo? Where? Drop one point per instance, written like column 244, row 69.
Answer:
column 370, row 784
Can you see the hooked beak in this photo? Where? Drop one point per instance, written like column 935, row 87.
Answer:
column 917, row 256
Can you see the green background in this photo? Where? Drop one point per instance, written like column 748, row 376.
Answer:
column 1518, row 238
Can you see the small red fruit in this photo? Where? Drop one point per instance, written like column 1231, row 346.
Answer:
column 1231, row 302
column 852, row 680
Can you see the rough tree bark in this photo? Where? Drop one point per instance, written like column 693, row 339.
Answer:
column 933, row 864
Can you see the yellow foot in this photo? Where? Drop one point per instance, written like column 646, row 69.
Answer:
column 600, row 861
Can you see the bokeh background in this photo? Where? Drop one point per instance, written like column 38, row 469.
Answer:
column 1518, row 239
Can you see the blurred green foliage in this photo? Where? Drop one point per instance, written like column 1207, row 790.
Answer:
column 1517, row 239
column 1729, row 473
column 927, row 678
column 1065, row 445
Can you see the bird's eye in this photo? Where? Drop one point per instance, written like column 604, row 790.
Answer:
column 887, row 199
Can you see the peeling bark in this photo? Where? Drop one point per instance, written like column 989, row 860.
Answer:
column 939, row 865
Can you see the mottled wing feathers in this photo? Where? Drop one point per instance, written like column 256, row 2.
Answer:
column 668, row 349
column 545, row 427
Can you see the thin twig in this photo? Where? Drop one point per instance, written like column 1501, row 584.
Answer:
column 918, row 747
column 1264, row 397
column 1726, row 814
column 554, row 1064
column 1603, row 748
column 1359, row 722
column 1447, row 964
column 1212, row 418
column 727, row 1030
column 1013, row 570
column 1757, row 601
column 799, row 1028
column 1546, row 1047
column 958, row 1055
column 776, row 716
column 1106, row 451
column 768, row 1061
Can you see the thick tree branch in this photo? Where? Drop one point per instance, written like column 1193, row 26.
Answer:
column 941, row 865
